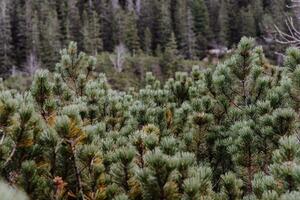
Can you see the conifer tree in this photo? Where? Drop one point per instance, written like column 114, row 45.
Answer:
column 32, row 39
column 131, row 34
column 107, row 18
column 284, row 171
column 163, row 24
column 185, row 30
column 148, row 41
column 19, row 33
column 6, row 59
column 277, row 9
column 73, row 23
column 223, row 36
column 170, row 57
column 231, row 187
column 247, row 24
column 144, row 21
column 50, row 40
column 232, row 19
column 91, row 33
column 201, row 25
column 258, row 12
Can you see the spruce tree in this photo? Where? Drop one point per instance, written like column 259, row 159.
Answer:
column 50, row 40
column 184, row 29
column 144, row 21
column 131, row 40
column 163, row 24
column 148, row 41
column 107, row 18
column 233, row 13
column 32, row 39
column 201, row 26
column 91, row 33
column 19, row 33
column 223, row 35
column 73, row 23
column 170, row 58
column 258, row 12
column 6, row 59
column 247, row 25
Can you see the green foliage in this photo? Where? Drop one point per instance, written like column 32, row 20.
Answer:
column 32, row 32
column 229, row 132
column 6, row 59
column 201, row 25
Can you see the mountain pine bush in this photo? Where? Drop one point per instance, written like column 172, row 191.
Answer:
column 229, row 132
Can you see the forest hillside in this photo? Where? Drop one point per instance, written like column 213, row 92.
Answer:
column 134, row 36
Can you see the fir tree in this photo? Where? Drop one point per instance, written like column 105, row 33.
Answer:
column 50, row 42
column 107, row 18
column 223, row 23
column 170, row 57
column 6, row 59
column 201, row 25
column 163, row 24
column 33, row 39
column 247, row 25
column 91, row 33
column 148, row 42
column 185, row 32
column 131, row 35
column 73, row 23
column 19, row 33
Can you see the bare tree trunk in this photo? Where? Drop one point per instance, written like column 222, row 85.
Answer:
column 119, row 58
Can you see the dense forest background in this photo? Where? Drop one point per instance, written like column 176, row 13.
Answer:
column 33, row 31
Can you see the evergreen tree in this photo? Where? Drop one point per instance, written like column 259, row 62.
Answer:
column 231, row 187
column 73, row 23
column 50, row 42
column 223, row 35
column 247, row 25
column 144, row 21
column 148, row 41
column 184, row 29
column 91, row 33
column 131, row 34
column 284, row 170
column 170, row 58
column 232, row 19
column 6, row 59
column 32, row 39
column 258, row 11
column 277, row 10
column 163, row 23
column 213, row 7
column 19, row 33
column 107, row 26
column 201, row 26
